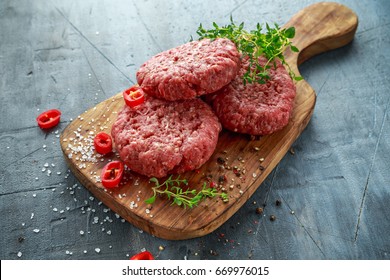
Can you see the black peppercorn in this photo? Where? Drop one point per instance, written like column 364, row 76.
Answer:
column 259, row 210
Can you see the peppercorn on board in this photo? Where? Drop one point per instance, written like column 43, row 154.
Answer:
column 238, row 166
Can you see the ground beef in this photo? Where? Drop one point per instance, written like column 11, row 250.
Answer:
column 160, row 137
column 190, row 70
column 256, row 109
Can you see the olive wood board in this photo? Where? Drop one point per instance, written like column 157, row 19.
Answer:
column 247, row 160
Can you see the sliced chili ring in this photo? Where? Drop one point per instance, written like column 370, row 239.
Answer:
column 49, row 119
column 103, row 143
column 112, row 174
column 134, row 96
column 146, row 255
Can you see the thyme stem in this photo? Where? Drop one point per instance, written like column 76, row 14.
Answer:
column 185, row 198
column 256, row 43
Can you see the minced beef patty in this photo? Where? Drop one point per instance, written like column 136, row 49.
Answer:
column 160, row 137
column 256, row 109
column 190, row 70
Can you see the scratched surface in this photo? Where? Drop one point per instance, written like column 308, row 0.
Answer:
column 334, row 186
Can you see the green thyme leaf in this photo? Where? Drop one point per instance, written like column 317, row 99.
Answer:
column 255, row 43
column 172, row 189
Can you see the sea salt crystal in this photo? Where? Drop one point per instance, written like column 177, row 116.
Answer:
column 36, row 230
column 97, row 250
column 20, row 254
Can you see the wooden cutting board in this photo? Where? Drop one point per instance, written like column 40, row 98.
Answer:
column 319, row 27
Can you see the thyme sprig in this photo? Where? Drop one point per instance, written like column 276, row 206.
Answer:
column 255, row 43
column 185, row 198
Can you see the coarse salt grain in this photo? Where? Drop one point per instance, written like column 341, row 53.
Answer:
column 97, row 250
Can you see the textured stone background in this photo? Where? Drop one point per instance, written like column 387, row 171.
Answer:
column 72, row 55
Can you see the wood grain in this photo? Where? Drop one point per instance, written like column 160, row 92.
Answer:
column 320, row 27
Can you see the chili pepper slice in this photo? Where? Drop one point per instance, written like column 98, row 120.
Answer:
column 103, row 143
column 146, row 255
column 134, row 96
column 49, row 119
column 112, row 174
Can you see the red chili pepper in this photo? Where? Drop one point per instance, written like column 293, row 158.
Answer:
column 49, row 118
column 143, row 256
column 112, row 174
column 102, row 143
column 134, row 96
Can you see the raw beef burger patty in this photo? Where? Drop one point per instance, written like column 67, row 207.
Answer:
column 159, row 137
column 190, row 70
column 256, row 109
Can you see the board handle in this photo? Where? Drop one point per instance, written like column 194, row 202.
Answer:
column 325, row 25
